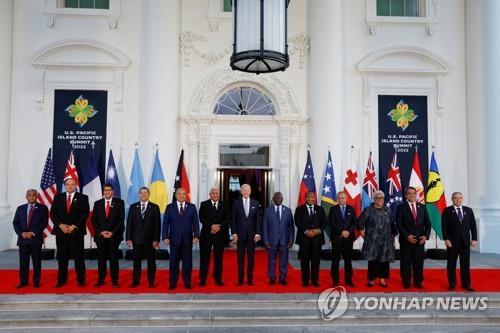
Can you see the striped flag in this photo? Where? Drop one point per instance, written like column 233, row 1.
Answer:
column 416, row 178
column 369, row 183
column 394, row 187
column 308, row 183
column 92, row 188
column 71, row 172
column 158, row 187
column 48, row 189
column 329, row 192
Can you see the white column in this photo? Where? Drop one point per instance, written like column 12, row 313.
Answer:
column 483, row 117
column 6, row 20
column 159, row 102
column 325, row 86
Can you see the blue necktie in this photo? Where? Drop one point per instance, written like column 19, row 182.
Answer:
column 460, row 214
column 343, row 211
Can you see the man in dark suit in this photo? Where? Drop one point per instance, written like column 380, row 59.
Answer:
column 414, row 230
column 310, row 220
column 215, row 219
column 69, row 213
column 30, row 220
column 143, row 235
column 459, row 233
column 342, row 221
column 180, row 230
column 108, row 220
column 245, row 229
column 277, row 234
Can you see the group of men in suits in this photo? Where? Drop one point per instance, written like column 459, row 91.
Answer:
column 180, row 230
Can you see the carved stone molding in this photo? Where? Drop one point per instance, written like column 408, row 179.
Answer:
column 300, row 44
column 219, row 81
column 188, row 46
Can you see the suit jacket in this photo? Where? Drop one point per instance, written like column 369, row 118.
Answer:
column 210, row 216
column 77, row 215
column 459, row 233
column 246, row 227
column 304, row 222
column 39, row 221
column 115, row 222
column 177, row 227
column 338, row 223
column 406, row 223
column 143, row 230
column 277, row 231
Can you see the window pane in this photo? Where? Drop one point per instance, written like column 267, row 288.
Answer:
column 102, row 4
column 228, row 5
column 383, row 8
column 71, row 3
column 238, row 155
column 86, row 3
column 397, row 7
column 245, row 101
column 411, row 8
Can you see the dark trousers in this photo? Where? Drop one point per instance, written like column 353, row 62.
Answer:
column 66, row 246
column 248, row 247
column 107, row 248
column 272, row 253
column 184, row 250
column 140, row 251
column 310, row 256
column 341, row 248
column 34, row 251
column 464, row 253
column 377, row 269
column 412, row 260
column 208, row 243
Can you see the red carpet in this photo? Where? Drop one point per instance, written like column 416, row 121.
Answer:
column 483, row 280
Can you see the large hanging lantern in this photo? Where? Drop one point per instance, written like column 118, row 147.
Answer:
column 260, row 36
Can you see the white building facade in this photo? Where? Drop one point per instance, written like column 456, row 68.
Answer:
column 165, row 66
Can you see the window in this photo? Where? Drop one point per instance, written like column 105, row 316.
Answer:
column 245, row 101
column 89, row 4
column 408, row 8
column 240, row 155
column 228, row 6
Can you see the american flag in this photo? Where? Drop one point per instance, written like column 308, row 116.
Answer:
column 70, row 172
column 48, row 189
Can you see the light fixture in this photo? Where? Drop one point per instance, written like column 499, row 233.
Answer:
column 260, row 36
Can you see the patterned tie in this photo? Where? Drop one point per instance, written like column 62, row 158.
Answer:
column 460, row 214
column 143, row 209
column 30, row 215
column 107, row 208
column 68, row 202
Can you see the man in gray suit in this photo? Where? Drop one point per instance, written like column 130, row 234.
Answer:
column 277, row 234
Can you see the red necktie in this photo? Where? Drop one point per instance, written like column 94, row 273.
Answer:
column 68, row 202
column 30, row 215
column 414, row 212
column 107, row 209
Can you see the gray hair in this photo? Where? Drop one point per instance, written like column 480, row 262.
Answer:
column 31, row 190
column 213, row 189
column 245, row 186
column 456, row 193
column 378, row 194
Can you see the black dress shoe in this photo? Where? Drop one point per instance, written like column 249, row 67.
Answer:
column 82, row 285
column 36, row 285
column 21, row 285
column 188, row 286
column 151, row 285
column 203, row 283
column 406, row 286
column 250, row 283
column 240, row 283
column 171, row 287
column 60, row 284
column 134, row 285
column 283, row 282
column 305, row 284
column 451, row 287
column 99, row 284
column 418, row 286
column 315, row 284
column 219, row 283
column 116, row 285
column 468, row 288
column 335, row 284
column 350, row 284
column 272, row 282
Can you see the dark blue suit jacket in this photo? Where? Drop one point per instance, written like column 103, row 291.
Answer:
column 275, row 231
column 460, row 234
column 179, row 228
column 243, row 226
column 39, row 222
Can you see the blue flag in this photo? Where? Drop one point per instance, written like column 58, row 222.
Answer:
column 136, row 180
column 112, row 176
column 158, row 187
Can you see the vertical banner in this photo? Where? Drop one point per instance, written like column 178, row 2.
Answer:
column 80, row 125
column 402, row 125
